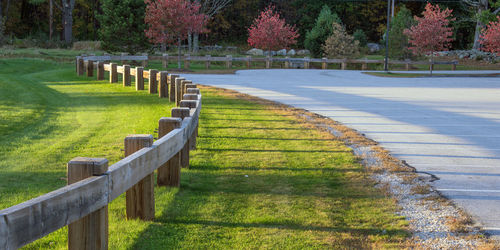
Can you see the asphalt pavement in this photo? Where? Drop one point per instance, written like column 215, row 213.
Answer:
column 445, row 126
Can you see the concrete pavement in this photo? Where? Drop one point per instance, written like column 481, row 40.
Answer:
column 448, row 127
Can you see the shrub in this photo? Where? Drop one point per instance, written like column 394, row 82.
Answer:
column 321, row 31
column 360, row 36
column 340, row 44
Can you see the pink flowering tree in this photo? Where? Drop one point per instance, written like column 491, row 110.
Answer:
column 490, row 38
column 270, row 32
column 431, row 33
column 171, row 21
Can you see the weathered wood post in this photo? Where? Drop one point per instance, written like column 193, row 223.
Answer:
column 183, row 113
column 454, row 65
column 139, row 78
column 169, row 174
column 229, row 61
column 90, row 68
column 187, row 59
column 306, row 62
column 407, row 66
column 90, row 232
column 431, row 65
column 113, row 73
column 188, row 86
column 192, row 95
column 164, row 61
column 192, row 138
column 249, row 61
column 364, row 65
column 100, row 71
column 145, row 62
column 122, row 55
column 343, row 65
column 126, row 75
column 207, row 61
column 183, row 86
column 140, row 199
column 80, row 66
column 178, row 89
column 171, row 85
column 268, row 62
column 287, row 62
column 324, row 64
column 163, row 85
column 153, row 86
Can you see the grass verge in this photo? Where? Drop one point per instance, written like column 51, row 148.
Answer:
column 421, row 75
column 262, row 177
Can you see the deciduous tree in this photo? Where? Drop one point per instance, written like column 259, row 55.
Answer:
column 432, row 32
column 270, row 32
column 321, row 31
column 340, row 44
column 490, row 38
column 172, row 20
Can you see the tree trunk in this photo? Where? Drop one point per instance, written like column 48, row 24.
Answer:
column 196, row 43
column 67, row 15
column 190, row 42
column 179, row 53
column 51, row 19
column 483, row 5
column 163, row 47
column 432, row 62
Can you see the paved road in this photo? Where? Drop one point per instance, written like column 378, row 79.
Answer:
column 449, row 127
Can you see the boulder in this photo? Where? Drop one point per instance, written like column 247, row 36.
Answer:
column 255, row 52
column 374, row 47
column 270, row 53
column 291, row 53
column 303, row 52
column 281, row 52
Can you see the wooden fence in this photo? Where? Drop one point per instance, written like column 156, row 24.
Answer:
column 286, row 62
column 92, row 185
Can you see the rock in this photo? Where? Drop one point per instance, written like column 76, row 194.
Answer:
column 232, row 48
column 281, row 52
column 255, row 52
column 374, row 47
column 291, row 53
column 270, row 53
column 303, row 52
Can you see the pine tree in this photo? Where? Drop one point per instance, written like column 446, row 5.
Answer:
column 321, row 31
column 122, row 26
column 398, row 42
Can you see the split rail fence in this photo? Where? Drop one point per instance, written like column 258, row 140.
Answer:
column 92, row 185
column 286, row 62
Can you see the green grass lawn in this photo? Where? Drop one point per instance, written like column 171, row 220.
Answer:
column 260, row 178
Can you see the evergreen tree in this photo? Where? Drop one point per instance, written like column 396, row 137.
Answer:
column 321, row 31
column 122, row 26
column 360, row 36
column 398, row 42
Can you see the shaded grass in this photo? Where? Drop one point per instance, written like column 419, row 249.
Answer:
column 260, row 178
column 419, row 75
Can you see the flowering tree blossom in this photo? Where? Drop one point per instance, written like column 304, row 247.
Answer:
column 432, row 32
column 171, row 20
column 270, row 32
column 490, row 39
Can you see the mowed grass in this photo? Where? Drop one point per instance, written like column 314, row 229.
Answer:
column 260, row 178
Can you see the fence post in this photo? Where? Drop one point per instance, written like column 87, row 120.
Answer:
column 364, row 66
column 171, row 84
column 100, row 71
column 164, row 61
column 454, row 65
column 183, row 87
column 163, row 85
column 90, row 68
column 91, row 231
column 145, row 62
column 113, row 73
column 153, row 87
column 207, row 61
column 343, row 65
column 431, row 65
column 268, row 62
column 407, row 66
column 80, row 66
column 121, row 57
column 306, row 62
column 192, row 137
column 126, row 75
column 169, row 174
column 287, row 62
column 324, row 65
column 249, row 61
column 139, row 78
column 178, row 86
column 229, row 61
column 183, row 113
column 140, row 197
column 187, row 59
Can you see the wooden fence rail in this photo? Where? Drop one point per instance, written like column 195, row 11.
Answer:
column 82, row 204
column 286, row 62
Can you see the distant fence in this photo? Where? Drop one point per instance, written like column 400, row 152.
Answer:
column 286, row 62
column 83, row 203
